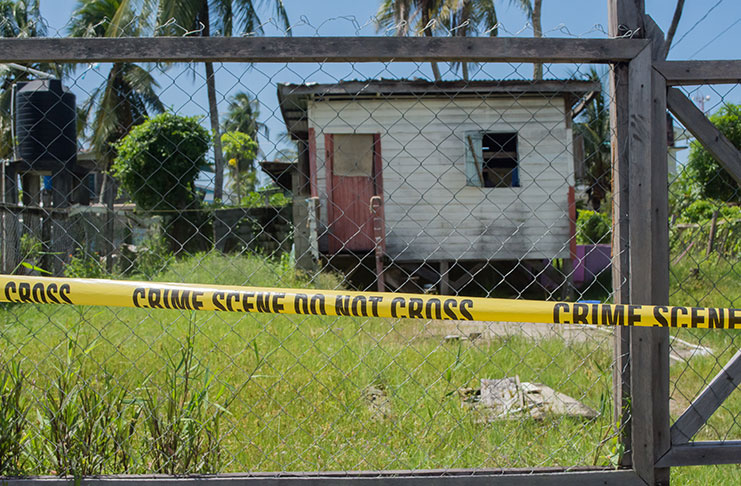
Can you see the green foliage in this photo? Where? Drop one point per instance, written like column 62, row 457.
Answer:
column 152, row 256
column 263, row 199
column 243, row 114
column 87, row 424
column 13, row 412
column 85, row 265
column 240, row 151
column 592, row 227
column 702, row 210
column 128, row 93
column 594, row 127
column 703, row 172
column 240, row 147
column 31, row 252
column 159, row 160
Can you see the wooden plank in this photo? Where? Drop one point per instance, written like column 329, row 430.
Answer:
column 702, row 454
column 698, row 413
column 541, row 477
column 314, row 191
column 623, row 16
column 678, row 73
column 727, row 155
column 317, row 49
column 658, row 358
column 444, row 277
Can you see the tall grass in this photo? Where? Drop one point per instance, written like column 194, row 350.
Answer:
column 182, row 418
column 13, row 413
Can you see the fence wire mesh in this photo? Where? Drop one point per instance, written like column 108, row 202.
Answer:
column 359, row 176
column 705, row 269
column 334, row 174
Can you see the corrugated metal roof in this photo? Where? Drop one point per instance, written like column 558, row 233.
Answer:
column 293, row 98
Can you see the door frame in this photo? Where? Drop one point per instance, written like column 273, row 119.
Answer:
column 376, row 178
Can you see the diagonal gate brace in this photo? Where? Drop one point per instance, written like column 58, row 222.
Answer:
column 712, row 397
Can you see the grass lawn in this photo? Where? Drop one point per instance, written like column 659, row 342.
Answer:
column 711, row 281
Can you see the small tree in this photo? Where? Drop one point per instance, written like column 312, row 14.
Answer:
column 157, row 164
column 709, row 179
column 159, row 160
column 240, row 151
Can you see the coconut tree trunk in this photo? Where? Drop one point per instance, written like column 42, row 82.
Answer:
column 214, row 116
column 537, row 32
column 213, row 110
column 673, row 28
column 428, row 33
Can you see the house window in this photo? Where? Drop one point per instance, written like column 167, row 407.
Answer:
column 492, row 159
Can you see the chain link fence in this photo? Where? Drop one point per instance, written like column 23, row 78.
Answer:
column 704, row 237
column 364, row 176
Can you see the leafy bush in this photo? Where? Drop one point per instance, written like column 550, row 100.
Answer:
column 700, row 210
column 592, row 227
column 159, row 160
column 710, row 180
column 151, row 257
column 257, row 200
column 85, row 265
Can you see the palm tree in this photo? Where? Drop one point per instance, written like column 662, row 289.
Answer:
column 535, row 17
column 422, row 14
column 242, row 116
column 196, row 16
column 127, row 95
column 19, row 19
column 594, row 127
column 427, row 17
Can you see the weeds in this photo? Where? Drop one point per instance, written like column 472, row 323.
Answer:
column 183, row 420
column 13, row 412
column 88, row 427
column 85, row 265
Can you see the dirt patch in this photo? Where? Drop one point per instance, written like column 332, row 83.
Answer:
column 455, row 331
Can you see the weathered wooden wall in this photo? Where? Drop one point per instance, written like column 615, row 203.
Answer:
column 431, row 214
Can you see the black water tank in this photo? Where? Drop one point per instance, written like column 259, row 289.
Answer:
column 45, row 124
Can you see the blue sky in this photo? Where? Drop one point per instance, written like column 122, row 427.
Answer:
column 709, row 29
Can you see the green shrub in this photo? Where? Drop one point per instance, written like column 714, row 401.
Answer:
column 151, row 257
column 592, row 227
column 700, row 210
column 159, row 160
column 85, row 265
column 702, row 169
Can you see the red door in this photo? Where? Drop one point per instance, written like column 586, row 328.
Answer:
column 353, row 178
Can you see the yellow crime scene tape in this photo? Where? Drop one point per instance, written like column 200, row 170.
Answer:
column 151, row 295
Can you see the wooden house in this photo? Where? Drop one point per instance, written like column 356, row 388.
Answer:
column 433, row 175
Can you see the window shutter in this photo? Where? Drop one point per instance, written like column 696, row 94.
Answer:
column 473, row 177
